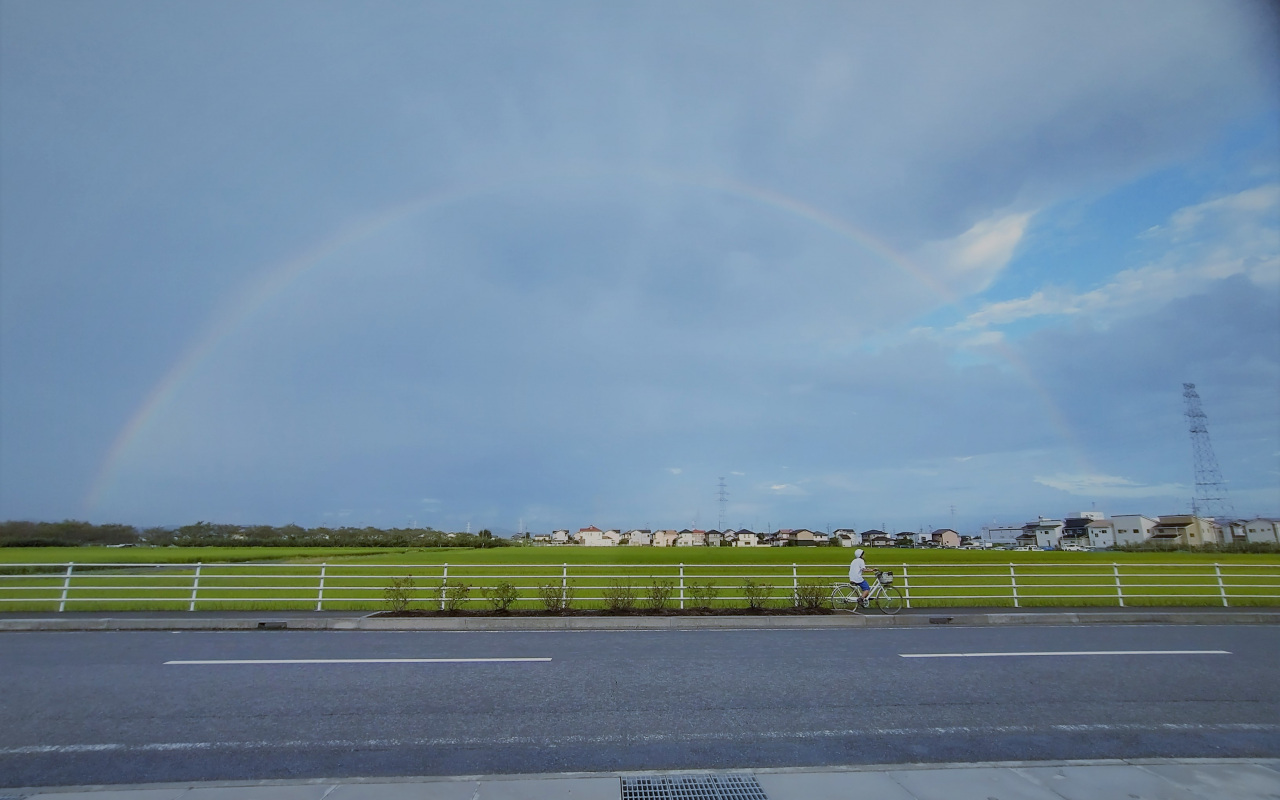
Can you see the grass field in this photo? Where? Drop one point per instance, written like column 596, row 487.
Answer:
column 34, row 579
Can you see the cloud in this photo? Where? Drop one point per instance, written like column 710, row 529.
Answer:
column 1234, row 235
column 788, row 489
column 675, row 470
column 968, row 263
column 1097, row 485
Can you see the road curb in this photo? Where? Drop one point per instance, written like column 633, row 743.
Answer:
column 255, row 621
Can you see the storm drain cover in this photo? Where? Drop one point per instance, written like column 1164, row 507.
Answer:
column 708, row 786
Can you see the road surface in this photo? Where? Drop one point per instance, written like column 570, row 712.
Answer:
column 137, row 707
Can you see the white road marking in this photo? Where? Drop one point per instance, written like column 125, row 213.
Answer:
column 1073, row 653
column 222, row 661
column 555, row 741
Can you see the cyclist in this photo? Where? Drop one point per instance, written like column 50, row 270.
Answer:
column 856, row 568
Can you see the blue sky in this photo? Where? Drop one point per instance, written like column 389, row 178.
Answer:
column 563, row 264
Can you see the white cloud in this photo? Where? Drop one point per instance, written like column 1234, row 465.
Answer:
column 1233, row 235
column 787, row 489
column 1098, row 485
column 674, row 470
column 430, row 501
column 968, row 263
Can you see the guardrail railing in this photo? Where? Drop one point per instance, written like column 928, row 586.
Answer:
column 260, row 586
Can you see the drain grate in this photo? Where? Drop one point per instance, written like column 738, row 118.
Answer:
column 709, row 786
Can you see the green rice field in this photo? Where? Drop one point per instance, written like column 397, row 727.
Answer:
column 205, row 579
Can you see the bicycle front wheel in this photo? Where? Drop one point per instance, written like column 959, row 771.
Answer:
column 890, row 600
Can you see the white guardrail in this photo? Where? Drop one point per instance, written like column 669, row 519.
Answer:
column 85, row 586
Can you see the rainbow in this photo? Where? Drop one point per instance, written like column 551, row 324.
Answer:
column 275, row 279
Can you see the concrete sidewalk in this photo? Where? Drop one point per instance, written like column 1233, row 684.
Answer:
column 1147, row 779
column 329, row 620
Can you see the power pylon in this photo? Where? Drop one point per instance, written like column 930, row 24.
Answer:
column 1211, row 490
column 723, row 496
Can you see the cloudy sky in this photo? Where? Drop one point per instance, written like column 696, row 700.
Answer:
column 556, row 264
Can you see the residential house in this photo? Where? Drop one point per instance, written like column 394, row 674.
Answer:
column 944, row 537
column 1102, row 533
column 1046, row 532
column 877, row 539
column 1075, row 532
column 848, row 537
column 746, row 538
column 1132, row 528
column 1027, row 538
column 1262, row 529
column 560, row 536
column 1185, row 530
column 613, row 537
column 591, row 536
column 821, row 539
column 801, row 537
column 639, row 537
column 665, row 538
column 542, row 538
column 714, row 538
column 691, row 538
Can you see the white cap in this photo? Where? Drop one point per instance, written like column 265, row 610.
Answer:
column 857, row 553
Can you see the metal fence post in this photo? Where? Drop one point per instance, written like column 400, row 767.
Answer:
column 444, row 581
column 1115, row 568
column 195, row 587
column 564, row 587
column 906, row 586
column 1222, row 590
column 795, row 587
column 682, row 587
column 66, row 585
column 320, row 594
column 1013, row 580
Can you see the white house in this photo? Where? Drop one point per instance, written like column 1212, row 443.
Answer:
column 1046, row 531
column 747, row 539
column 688, row 538
column 848, row 537
column 714, row 538
column 591, row 536
column 640, row 537
column 1102, row 533
column 1132, row 528
column 560, row 537
column 1262, row 529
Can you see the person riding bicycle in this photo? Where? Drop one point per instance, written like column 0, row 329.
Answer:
column 856, row 569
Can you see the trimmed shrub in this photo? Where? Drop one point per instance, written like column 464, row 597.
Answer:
column 556, row 599
column 658, row 596
column 619, row 597
column 400, row 593
column 702, row 595
column 756, row 594
column 810, row 596
column 453, row 595
column 501, row 596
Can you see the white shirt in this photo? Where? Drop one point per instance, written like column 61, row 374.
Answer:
column 855, row 570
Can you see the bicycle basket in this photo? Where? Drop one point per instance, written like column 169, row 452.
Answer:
column 886, row 578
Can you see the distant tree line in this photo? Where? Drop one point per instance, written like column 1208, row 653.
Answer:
column 73, row 533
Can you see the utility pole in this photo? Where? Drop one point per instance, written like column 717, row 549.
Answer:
column 1211, row 490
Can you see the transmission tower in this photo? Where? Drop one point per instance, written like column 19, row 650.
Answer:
column 723, row 496
column 1211, row 491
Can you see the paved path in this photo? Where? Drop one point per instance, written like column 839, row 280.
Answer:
column 149, row 706
column 1157, row 779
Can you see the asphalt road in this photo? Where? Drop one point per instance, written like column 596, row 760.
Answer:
column 103, row 707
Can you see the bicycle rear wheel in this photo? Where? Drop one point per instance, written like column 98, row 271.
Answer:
column 842, row 598
column 889, row 600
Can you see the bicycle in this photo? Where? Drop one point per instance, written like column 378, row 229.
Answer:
column 884, row 595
